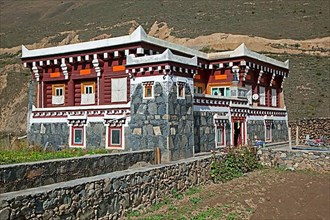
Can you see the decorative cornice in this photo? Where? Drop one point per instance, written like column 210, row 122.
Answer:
column 138, row 36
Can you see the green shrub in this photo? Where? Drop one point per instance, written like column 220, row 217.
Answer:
column 234, row 164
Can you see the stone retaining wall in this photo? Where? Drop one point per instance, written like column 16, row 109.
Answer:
column 106, row 196
column 28, row 175
column 315, row 128
column 296, row 160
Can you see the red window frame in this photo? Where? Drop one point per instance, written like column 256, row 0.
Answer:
column 73, row 136
column 120, row 145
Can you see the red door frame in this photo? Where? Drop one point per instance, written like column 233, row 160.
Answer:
column 241, row 137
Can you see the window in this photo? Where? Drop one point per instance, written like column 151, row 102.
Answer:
column 148, row 90
column 119, row 89
column 114, row 137
column 198, row 89
column 58, row 94
column 262, row 95
column 89, row 89
column 88, row 93
column 221, row 91
column 180, row 90
column 274, row 97
column 219, row 136
column 249, row 93
column 268, row 132
column 77, row 136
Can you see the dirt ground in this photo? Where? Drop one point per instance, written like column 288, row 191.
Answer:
column 263, row 194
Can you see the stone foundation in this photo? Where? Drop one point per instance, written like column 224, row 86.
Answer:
column 296, row 160
column 106, row 196
column 29, row 175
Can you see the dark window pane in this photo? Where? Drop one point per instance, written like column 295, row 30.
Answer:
column 115, row 137
column 78, row 136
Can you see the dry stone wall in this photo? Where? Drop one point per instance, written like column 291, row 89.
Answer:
column 28, row 175
column 296, row 160
column 106, row 196
column 315, row 128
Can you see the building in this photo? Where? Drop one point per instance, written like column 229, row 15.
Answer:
column 139, row 92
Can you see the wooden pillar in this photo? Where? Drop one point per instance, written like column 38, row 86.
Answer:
column 297, row 135
column 157, row 156
column 290, row 141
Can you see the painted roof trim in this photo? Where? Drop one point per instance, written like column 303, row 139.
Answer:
column 166, row 56
column 139, row 35
column 242, row 51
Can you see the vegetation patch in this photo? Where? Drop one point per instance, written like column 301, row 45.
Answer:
column 234, row 164
column 38, row 154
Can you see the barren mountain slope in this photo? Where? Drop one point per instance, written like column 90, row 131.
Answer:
column 295, row 29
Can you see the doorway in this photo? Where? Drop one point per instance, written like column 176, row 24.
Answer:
column 237, row 134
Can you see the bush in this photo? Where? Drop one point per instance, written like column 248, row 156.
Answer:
column 234, row 164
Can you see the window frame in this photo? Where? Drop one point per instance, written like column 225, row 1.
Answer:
column 262, row 96
column 249, row 93
column 181, row 90
column 225, row 89
column 85, row 85
column 148, row 85
column 55, row 88
column 274, row 97
column 268, row 130
column 109, row 142
column 222, row 130
column 81, row 144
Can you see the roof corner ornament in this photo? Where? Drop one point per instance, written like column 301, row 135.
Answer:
column 96, row 66
column 247, row 68
column 36, row 73
column 235, row 71
column 167, row 72
column 271, row 81
column 283, row 82
column 64, row 69
column 129, row 74
column 260, row 75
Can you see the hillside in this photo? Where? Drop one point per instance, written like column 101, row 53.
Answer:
column 295, row 30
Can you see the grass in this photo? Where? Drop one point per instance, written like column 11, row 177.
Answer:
column 37, row 154
column 189, row 19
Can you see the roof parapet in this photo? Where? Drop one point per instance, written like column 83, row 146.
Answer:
column 166, row 56
column 139, row 35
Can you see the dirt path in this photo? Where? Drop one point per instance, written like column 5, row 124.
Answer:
column 264, row 194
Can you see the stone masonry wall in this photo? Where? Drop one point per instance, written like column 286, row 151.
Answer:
column 296, row 160
column 96, row 134
column 279, row 131
column 57, row 134
column 315, row 128
column 106, row 196
column 181, row 124
column 256, row 128
column 148, row 126
column 28, row 175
